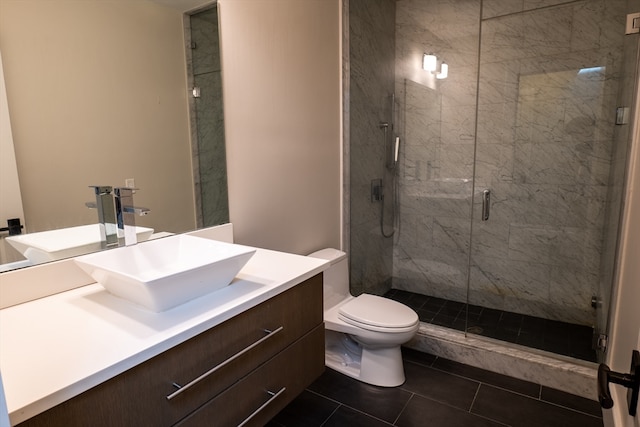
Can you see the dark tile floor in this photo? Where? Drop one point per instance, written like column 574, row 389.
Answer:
column 550, row 335
column 437, row 393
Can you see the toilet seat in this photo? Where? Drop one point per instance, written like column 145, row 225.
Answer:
column 378, row 314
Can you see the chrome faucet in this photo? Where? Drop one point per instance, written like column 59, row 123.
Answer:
column 106, row 215
column 125, row 214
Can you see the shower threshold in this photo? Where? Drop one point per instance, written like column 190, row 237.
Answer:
column 553, row 336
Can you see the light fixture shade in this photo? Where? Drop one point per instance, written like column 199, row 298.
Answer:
column 429, row 62
column 444, row 71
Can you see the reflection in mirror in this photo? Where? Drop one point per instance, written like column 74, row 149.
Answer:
column 97, row 93
column 210, row 172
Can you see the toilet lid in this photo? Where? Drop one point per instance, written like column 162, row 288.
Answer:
column 379, row 312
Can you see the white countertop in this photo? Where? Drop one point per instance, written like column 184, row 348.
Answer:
column 54, row 348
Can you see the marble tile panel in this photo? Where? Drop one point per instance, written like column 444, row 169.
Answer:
column 494, row 163
column 613, row 18
column 451, row 234
column 576, row 248
column 546, row 31
column 511, row 279
column 573, row 289
column 457, row 124
column 546, row 122
column 561, row 164
column 443, row 268
column 490, row 239
column 433, row 199
column 581, row 206
column 455, row 161
column 370, row 259
column 499, row 81
column 363, row 211
column 460, row 87
column 414, row 234
column 437, row 290
column 212, row 183
column 493, row 8
column 502, row 39
column 586, row 25
column 480, row 297
column 204, row 33
column 530, row 243
column 448, row 19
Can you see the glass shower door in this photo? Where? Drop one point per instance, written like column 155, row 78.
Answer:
column 548, row 81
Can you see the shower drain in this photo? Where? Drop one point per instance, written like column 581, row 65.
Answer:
column 475, row 330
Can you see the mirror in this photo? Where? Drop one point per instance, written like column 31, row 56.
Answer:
column 97, row 95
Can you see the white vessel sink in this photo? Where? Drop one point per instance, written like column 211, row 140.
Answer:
column 163, row 273
column 64, row 243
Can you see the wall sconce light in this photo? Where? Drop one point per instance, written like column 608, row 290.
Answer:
column 444, row 71
column 429, row 62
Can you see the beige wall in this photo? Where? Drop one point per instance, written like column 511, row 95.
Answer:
column 281, row 84
column 97, row 94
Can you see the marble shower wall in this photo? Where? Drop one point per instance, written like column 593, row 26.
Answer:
column 371, row 61
column 548, row 81
column 437, row 130
column 208, row 121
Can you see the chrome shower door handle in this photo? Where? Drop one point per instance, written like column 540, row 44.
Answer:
column 486, row 204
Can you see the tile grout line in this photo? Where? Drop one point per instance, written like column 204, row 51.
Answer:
column 541, row 400
column 340, row 404
column 480, row 382
column 475, row 396
column 403, row 408
column 331, row 414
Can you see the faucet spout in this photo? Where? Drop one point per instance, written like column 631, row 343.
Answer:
column 106, row 215
column 125, row 214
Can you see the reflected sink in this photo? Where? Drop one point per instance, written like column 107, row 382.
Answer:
column 163, row 273
column 64, row 243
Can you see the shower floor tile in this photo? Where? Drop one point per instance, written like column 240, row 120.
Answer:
column 438, row 393
column 550, row 335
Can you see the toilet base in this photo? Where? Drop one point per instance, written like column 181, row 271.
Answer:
column 377, row 366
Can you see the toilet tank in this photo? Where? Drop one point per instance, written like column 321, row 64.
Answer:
column 336, row 277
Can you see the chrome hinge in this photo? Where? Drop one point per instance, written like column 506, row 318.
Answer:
column 633, row 23
column 196, row 92
column 601, row 341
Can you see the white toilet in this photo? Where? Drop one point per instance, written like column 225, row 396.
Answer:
column 364, row 333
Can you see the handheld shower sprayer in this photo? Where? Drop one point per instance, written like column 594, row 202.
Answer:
column 396, row 151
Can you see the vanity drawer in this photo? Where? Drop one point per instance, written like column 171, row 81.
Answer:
column 262, row 394
column 236, row 347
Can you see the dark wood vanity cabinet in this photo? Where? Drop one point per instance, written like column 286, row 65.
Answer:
column 242, row 371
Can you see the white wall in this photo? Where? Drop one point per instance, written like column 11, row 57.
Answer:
column 282, row 89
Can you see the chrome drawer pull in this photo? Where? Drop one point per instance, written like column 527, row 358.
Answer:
column 273, row 397
column 222, row 364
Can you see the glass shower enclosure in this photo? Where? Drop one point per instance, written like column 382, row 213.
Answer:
column 511, row 169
